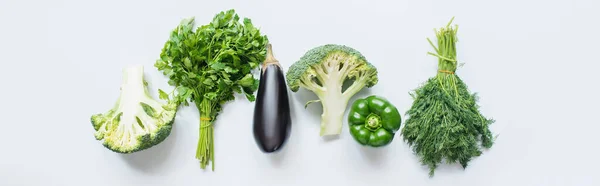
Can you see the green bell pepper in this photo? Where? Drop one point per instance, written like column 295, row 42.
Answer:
column 373, row 121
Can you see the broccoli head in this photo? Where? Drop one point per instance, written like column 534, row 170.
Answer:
column 137, row 121
column 325, row 70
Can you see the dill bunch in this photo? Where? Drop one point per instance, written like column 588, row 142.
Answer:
column 444, row 122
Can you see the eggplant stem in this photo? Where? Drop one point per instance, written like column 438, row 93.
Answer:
column 270, row 59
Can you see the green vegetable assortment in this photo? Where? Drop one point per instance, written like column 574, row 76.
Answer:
column 373, row 121
column 209, row 64
column 444, row 121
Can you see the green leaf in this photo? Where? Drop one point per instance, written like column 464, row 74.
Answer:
column 165, row 58
column 215, row 22
column 181, row 90
column 175, row 40
column 228, row 16
column 236, row 61
column 217, row 66
column 187, row 62
column 230, row 70
column 210, row 95
column 251, row 89
column 218, row 33
column 225, row 75
column 228, row 82
column 237, row 89
column 160, row 64
column 253, row 65
column 247, row 81
column 188, row 94
column 222, row 84
column 187, row 23
column 255, row 85
column 172, row 82
column 167, row 71
column 163, row 95
column 229, row 52
column 188, row 43
column 208, row 82
column 248, row 23
column 250, row 97
column 252, row 59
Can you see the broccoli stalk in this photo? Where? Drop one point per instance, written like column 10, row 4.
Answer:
column 324, row 70
column 137, row 121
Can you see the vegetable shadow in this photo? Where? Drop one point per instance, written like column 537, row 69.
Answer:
column 315, row 109
column 153, row 160
column 278, row 157
column 377, row 156
column 303, row 96
column 445, row 168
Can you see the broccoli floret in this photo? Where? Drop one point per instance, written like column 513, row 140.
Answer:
column 324, row 70
column 137, row 121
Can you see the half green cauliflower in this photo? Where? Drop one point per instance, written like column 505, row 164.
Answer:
column 137, row 121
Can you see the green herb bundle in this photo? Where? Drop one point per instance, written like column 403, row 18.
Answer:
column 209, row 66
column 444, row 122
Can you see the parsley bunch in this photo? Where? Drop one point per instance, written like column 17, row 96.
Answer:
column 209, row 65
column 444, row 121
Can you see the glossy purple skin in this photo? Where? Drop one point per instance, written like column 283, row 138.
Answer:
column 272, row 121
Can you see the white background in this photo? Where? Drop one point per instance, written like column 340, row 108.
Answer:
column 534, row 64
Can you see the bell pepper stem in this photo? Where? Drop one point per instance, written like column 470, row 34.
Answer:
column 373, row 122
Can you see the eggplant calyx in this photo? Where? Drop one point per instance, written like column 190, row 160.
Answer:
column 270, row 59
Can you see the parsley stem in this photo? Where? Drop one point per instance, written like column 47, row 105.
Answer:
column 204, row 152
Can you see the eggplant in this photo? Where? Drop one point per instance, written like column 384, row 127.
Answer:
column 272, row 121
